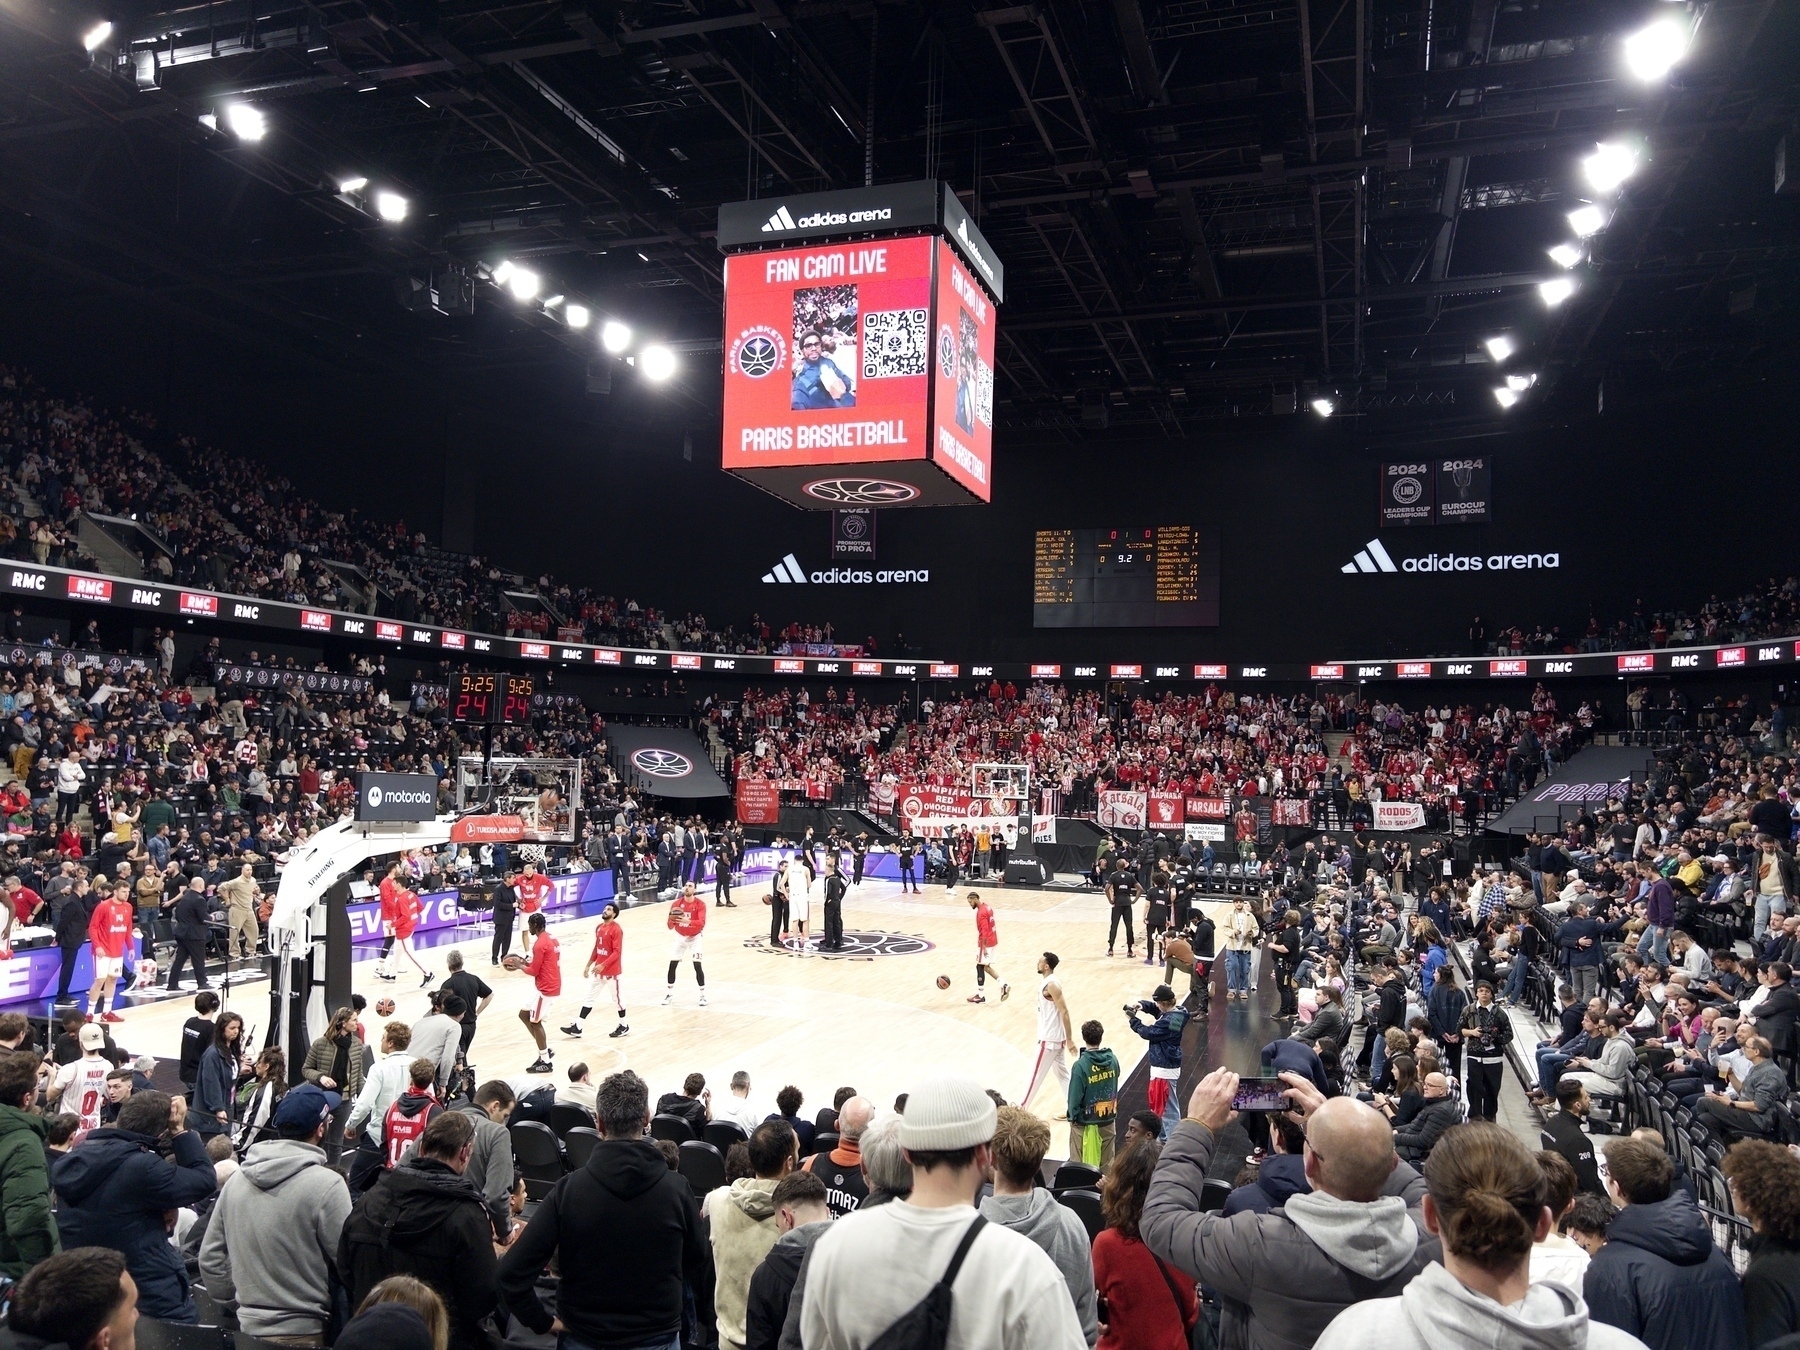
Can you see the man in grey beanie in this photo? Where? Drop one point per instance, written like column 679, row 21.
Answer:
column 874, row 1266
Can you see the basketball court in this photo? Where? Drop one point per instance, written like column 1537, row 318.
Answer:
column 872, row 1018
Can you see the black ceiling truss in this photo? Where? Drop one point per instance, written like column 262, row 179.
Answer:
column 1207, row 207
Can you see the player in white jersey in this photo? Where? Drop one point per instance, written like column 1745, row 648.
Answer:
column 1055, row 1035
column 80, row 1086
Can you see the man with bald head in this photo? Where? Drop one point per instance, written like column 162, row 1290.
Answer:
column 841, row 1169
column 1284, row 1275
column 1413, row 1141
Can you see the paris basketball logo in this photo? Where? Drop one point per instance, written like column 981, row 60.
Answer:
column 662, row 763
column 758, row 351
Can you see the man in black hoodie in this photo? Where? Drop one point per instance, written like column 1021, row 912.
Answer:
column 425, row 1220
column 625, row 1213
column 803, row 1217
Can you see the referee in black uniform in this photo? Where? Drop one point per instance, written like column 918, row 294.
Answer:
column 506, row 905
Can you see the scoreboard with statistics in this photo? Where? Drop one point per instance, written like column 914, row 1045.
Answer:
column 1146, row 576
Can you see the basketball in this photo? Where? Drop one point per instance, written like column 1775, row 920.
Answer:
column 512, row 962
column 943, row 982
column 385, row 1007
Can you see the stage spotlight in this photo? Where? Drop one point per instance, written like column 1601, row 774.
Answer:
column 1499, row 347
column 1506, row 397
column 523, row 283
column 1566, row 255
column 577, row 315
column 96, row 35
column 657, row 363
column 1586, row 220
column 502, row 270
column 1324, row 407
column 391, row 207
column 1520, row 383
column 245, row 122
column 1555, row 292
column 554, row 300
column 1651, row 53
column 1610, row 165
column 350, row 185
column 615, row 336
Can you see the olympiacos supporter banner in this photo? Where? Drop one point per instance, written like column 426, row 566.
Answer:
column 758, row 802
column 1168, row 811
column 916, row 802
column 1291, row 811
column 1121, row 810
column 1399, row 816
column 1208, row 808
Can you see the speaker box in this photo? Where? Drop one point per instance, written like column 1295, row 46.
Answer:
column 1026, row 872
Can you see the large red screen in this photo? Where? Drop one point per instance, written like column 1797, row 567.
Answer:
column 827, row 353
column 963, row 376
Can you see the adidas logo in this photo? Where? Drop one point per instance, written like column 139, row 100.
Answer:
column 781, row 220
column 1371, row 557
column 788, row 570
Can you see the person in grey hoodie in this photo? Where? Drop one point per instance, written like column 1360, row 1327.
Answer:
column 272, row 1242
column 803, row 1214
column 1284, row 1275
column 743, row 1225
column 1020, row 1142
column 1485, row 1200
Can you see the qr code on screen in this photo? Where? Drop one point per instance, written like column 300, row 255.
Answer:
column 984, row 393
column 895, row 342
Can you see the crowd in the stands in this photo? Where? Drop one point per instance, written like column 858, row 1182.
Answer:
column 1769, row 609
column 207, row 518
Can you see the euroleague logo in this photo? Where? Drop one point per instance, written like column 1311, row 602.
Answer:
column 662, row 763
column 861, row 491
column 758, row 351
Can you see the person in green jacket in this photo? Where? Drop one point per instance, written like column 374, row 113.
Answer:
column 27, row 1227
column 1093, row 1100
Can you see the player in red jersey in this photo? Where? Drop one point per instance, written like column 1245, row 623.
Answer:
column 534, row 890
column 399, row 920
column 545, row 969
column 109, row 929
column 687, row 917
column 390, row 891
column 987, row 937
column 603, row 969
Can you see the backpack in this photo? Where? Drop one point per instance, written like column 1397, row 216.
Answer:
column 926, row 1325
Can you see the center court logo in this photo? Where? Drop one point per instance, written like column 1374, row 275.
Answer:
column 1372, row 557
column 789, row 572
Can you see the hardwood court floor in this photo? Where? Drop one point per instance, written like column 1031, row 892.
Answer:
column 877, row 1022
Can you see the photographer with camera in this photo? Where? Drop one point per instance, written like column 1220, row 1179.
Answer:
column 1164, row 1035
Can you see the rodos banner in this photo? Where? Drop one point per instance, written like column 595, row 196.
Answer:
column 1120, row 810
column 1168, row 811
column 758, row 802
column 1399, row 816
column 396, row 796
column 1465, row 491
column 1406, row 492
column 853, row 533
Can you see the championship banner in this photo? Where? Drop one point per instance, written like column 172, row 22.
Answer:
column 1292, row 811
column 1465, row 491
column 1406, row 496
column 1168, row 811
column 853, row 533
column 1399, row 816
column 1043, row 829
column 1122, row 810
column 1208, row 808
column 758, row 802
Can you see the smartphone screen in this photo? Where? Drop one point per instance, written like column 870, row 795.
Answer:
column 1261, row 1094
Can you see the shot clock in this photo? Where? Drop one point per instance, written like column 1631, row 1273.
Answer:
column 487, row 699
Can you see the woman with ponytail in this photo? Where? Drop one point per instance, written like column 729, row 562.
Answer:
column 1486, row 1199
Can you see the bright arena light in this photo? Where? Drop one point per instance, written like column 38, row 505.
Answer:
column 1651, row 53
column 657, row 363
column 246, row 123
column 1586, row 220
column 349, row 185
column 391, row 207
column 502, row 270
column 1499, row 347
column 96, row 35
column 1506, row 397
column 523, row 283
column 1610, row 165
column 1555, row 292
column 577, row 315
column 1566, row 255
column 1520, row 383
column 615, row 336
column 1324, row 407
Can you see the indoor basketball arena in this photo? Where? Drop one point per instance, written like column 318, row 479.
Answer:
column 857, row 674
